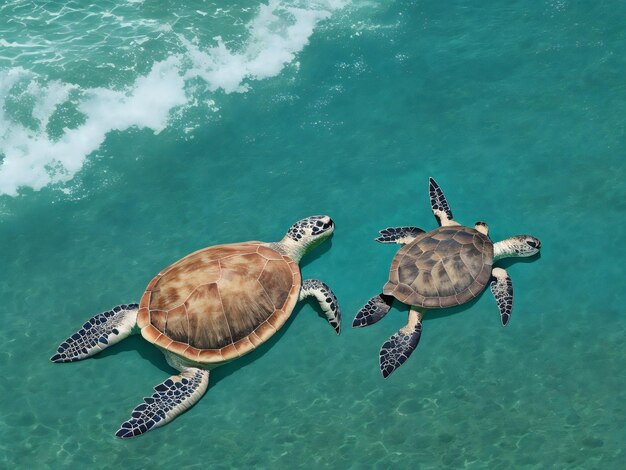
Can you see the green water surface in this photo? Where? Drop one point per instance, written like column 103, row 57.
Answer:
column 516, row 108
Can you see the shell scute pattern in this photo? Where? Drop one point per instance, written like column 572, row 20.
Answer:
column 205, row 314
column 276, row 282
column 442, row 235
column 158, row 318
column 464, row 277
column 447, row 266
column 471, row 258
column 221, row 302
column 177, row 324
column 428, row 244
column 443, row 282
column 463, row 237
column 246, row 306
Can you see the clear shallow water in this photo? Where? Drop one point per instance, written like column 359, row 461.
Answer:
column 130, row 137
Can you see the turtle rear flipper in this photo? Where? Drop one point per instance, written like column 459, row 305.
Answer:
column 98, row 333
column 375, row 309
column 399, row 347
column 170, row 398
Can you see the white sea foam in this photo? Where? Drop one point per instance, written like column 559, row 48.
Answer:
column 30, row 157
column 33, row 159
column 272, row 44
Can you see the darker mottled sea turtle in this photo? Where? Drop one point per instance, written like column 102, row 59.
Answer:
column 445, row 267
column 206, row 309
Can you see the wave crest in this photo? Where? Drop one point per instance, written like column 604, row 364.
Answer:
column 39, row 148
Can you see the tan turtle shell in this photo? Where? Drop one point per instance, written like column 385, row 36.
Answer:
column 220, row 302
column 444, row 267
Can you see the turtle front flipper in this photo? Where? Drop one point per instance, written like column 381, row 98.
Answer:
column 375, row 309
column 400, row 235
column 170, row 398
column 98, row 333
column 502, row 289
column 399, row 347
column 439, row 204
column 326, row 298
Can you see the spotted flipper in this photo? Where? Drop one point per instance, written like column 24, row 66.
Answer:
column 439, row 204
column 400, row 235
column 98, row 333
column 375, row 309
column 170, row 398
column 326, row 298
column 399, row 347
column 502, row 289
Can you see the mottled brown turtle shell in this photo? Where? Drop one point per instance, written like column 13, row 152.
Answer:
column 444, row 267
column 220, row 302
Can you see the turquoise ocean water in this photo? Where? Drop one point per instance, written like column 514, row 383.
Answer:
column 134, row 132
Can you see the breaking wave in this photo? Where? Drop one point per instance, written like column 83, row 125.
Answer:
column 49, row 127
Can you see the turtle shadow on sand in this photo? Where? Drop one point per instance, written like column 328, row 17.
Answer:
column 230, row 368
column 438, row 313
column 317, row 253
column 141, row 346
column 508, row 262
column 152, row 354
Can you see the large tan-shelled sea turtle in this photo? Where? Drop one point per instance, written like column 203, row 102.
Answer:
column 445, row 267
column 207, row 309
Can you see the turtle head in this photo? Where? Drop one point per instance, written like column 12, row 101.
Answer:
column 312, row 230
column 526, row 245
column 482, row 227
column 519, row 246
column 306, row 234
